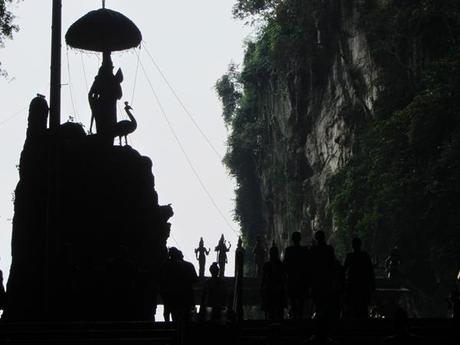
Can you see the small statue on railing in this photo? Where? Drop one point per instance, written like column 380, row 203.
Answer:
column 260, row 255
column 201, row 252
column 239, row 258
column 222, row 251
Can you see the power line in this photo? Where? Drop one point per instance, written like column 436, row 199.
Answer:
column 179, row 143
column 70, row 86
column 11, row 117
column 195, row 123
column 135, row 79
column 84, row 72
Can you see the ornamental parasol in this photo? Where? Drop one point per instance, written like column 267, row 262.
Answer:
column 104, row 31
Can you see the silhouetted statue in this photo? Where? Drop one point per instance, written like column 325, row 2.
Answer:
column 177, row 279
column 392, row 265
column 74, row 190
column 222, row 251
column 121, row 275
column 239, row 258
column 402, row 335
column 125, row 127
column 360, row 280
column 38, row 117
column 201, row 252
column 103, row 96
column 260, row 255
column 273, row 286
column 323, row 279
column 214, row 294
column 296, row 261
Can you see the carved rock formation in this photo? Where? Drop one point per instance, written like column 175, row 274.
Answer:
column 77, row 203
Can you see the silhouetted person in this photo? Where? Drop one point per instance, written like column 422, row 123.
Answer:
column 392, row 264
column 273, row 286
column 296, row 262
column 338, row 289
column 103, row 96
column 2, row 293
column 454, row 302
column 260, row 255
column 402, row 335
column 121, row 275
column 222, row 251
column 360, row 280
column 201, row 252
column 323, row 276
column 239, row 276
column 214, row 294
column 177, row 279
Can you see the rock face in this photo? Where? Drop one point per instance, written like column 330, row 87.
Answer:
column 344, row 118
column 88, row 232
column 308, row 118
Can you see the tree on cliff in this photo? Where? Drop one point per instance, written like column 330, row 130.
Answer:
column 247, row 8
column 7, row 27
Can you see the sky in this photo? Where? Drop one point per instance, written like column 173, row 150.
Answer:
column 192, row 43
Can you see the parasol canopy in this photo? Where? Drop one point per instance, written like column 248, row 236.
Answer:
column 103, row 30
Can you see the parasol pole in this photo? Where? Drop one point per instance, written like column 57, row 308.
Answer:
column 55, row 89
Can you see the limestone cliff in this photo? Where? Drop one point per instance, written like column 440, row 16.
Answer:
column 344, row 118
column 308, row 94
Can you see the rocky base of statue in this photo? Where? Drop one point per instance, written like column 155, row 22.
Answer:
column 88, row 233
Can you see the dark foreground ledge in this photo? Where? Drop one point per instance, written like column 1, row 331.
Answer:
column 429, row 331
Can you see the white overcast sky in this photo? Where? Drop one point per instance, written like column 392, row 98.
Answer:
column 193, row 42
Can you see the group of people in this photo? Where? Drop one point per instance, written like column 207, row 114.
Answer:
column 315, row 274
column 176, row 284
column 309, row 281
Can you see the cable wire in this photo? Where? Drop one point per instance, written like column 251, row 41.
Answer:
column 189, row 114
column 179, row 143
column 11, row 117
column 84, row 72
column 70, row 86
column 135, row 79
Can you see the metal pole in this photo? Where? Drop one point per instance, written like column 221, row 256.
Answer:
column 55, row 89
column 53, row 159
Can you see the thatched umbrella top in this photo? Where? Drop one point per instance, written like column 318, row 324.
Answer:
column 103, row 30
